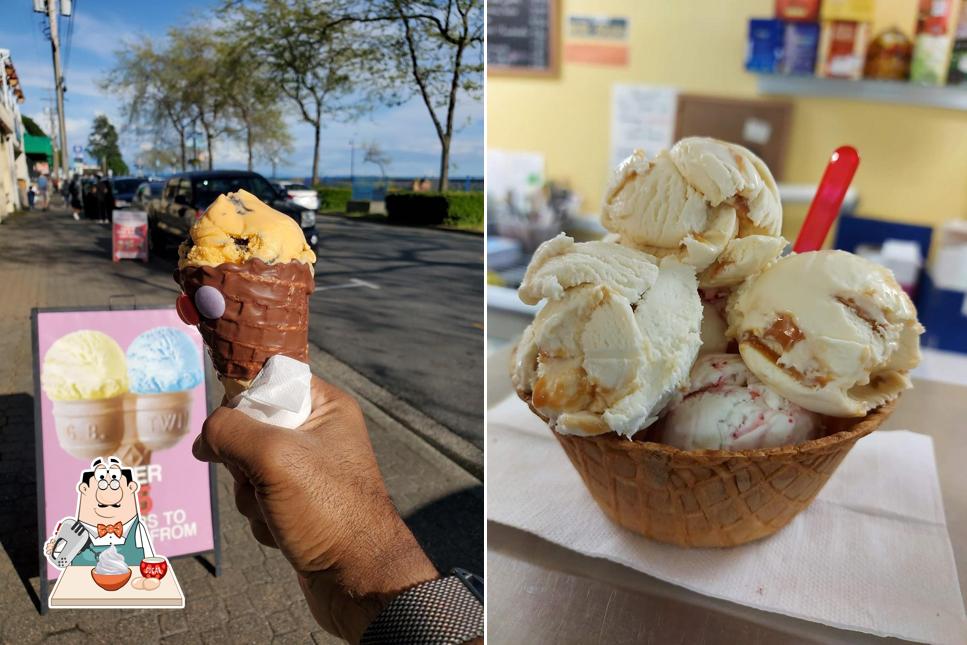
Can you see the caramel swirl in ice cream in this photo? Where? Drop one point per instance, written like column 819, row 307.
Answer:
column 784, row 331
column 713, row 204
column 828, row 330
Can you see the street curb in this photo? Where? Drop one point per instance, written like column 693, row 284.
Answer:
column 377, row 401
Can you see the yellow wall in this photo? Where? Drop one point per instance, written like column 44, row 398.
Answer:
column 914, row 160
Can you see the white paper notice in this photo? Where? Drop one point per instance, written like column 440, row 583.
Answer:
column 514, row 175
column 642, row 116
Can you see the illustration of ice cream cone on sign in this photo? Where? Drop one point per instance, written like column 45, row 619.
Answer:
column 85, row 376
column 163, row 367
column 246, row 273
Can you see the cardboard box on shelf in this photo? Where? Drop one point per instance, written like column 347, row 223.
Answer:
column 957, row 72
column 800, row 44
column 842, row 49
column 932, row 45
column 798, row 10
column 764, row 47
column 849, row 10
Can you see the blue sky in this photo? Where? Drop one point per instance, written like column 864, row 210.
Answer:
column 405, row 132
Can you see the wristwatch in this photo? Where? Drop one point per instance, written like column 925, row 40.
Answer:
column 444, row 611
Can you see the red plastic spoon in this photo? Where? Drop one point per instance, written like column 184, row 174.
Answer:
column 828, row 199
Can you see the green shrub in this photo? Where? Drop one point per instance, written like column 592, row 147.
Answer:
column 463, row 210
column 333, row 198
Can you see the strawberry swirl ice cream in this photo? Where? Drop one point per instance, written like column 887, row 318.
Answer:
column 727, row 408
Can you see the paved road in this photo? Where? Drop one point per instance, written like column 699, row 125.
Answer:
column 420, row 334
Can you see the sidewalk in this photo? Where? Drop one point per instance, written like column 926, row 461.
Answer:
column 47, row 259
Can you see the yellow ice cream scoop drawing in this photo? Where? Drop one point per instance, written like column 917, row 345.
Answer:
column 84, row 365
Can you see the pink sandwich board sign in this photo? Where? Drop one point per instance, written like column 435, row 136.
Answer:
column 142, row 400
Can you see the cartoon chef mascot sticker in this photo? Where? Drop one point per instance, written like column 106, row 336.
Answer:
column 108, row 532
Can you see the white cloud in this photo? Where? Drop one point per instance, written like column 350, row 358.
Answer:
column 38, row 79
column 99, row 35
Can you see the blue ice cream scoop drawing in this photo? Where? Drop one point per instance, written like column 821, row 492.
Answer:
column 163, row 359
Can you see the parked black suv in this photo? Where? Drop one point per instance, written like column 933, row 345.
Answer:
column 187, row 195
column 124, row 189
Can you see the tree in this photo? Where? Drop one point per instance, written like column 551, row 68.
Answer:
column 273, row 148
column 253, row 99
column 435, row 46
column 374, row 154
column 154, row 91
column 158, row 158
column 102, row 144
column 316, row 59
column 194, row 54
column 31, row 127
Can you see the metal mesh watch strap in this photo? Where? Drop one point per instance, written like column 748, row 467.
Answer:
column 438, row 612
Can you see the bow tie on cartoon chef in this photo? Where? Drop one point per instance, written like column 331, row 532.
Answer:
column 107, row 515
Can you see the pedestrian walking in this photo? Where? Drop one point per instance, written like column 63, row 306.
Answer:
column 90, row 200
column 31, row 197
column 74, row 195
column 105, row 200
column 42, row 185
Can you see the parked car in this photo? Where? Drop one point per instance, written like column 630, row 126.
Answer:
column 186, row 196
column 300, row 194
column 124, row 189
column 147, row 192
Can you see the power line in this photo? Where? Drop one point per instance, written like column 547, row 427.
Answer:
column 70, row 37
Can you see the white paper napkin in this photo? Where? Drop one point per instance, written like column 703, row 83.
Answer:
column 871, row 553
column 280, row 394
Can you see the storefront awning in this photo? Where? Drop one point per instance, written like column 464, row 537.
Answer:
column 37, row 146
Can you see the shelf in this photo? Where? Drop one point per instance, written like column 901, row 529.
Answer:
column 948, row 97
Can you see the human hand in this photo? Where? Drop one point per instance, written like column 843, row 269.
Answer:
column 316, row 493
column 49, row 547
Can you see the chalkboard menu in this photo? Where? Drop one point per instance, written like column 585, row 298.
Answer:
column 523, row 37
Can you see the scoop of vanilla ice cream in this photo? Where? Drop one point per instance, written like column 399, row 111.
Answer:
column 606, row 353
column 727, row 408
column 829, row 330
column 560, row 264
column 84, row 365
column 713, row 204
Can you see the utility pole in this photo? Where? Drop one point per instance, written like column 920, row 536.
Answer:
column 51, row 10
column 52, row 133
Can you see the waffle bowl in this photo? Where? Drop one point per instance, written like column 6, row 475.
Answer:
column 710, row 498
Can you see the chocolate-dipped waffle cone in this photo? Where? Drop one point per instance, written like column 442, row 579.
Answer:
column 266, row 313
column 710, row 498
column 233, row 387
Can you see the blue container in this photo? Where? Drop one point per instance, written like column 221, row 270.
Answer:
column 764, row 51
column 799, row 48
